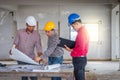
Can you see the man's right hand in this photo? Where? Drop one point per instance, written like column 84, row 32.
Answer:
column 37, row 59
column 14, row 46
column 67, row 48
column 10, row 52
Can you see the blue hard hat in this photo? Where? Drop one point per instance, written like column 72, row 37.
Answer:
column 72, row 18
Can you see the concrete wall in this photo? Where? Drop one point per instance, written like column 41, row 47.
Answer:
column 89, row 13
column 115, row 48
column 92, row 13
column 7, row 30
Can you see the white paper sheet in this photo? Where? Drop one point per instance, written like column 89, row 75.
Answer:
column 53, row 70
column 50, row 67
column 19, row 56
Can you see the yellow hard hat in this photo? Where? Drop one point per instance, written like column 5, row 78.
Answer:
column 49, row 26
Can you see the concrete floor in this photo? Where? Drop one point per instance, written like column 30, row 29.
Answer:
column 102, row 66
column 104, row 70
column 98, row 70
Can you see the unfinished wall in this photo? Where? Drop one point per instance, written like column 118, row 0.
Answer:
column 89, row 13
column 115, row 39
column 6, row 33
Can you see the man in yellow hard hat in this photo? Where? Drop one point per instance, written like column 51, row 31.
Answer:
column 53, row 52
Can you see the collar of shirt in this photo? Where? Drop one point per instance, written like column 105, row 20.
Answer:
column 81, row 28
column 53, row 35
column 29, row 31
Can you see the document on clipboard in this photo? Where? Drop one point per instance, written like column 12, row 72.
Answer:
column 69, row 43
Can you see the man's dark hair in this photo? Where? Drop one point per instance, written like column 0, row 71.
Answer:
column 79, row 20
column 52, row 29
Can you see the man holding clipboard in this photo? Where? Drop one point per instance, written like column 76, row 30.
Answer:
column 79, row 52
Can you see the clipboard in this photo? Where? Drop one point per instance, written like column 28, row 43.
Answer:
column 69, row 43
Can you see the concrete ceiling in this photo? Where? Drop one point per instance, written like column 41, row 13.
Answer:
column 38, row 2
column 13, row 4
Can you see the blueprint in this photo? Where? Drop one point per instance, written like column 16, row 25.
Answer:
column 49, row 68
column 37, row 68
column 19, row 56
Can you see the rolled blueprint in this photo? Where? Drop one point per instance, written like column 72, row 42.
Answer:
column 19, row 56
column 50, row 67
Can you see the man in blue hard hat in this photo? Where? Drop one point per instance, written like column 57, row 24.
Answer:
column 79, row 52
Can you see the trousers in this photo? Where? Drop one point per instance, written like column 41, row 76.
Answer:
column 55, row 60
column 79, row 64
column 25, row 77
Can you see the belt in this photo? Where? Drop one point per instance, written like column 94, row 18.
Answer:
column 82, row 56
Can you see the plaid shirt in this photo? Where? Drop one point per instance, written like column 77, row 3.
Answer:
column 53, row 50
column 27, row 42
